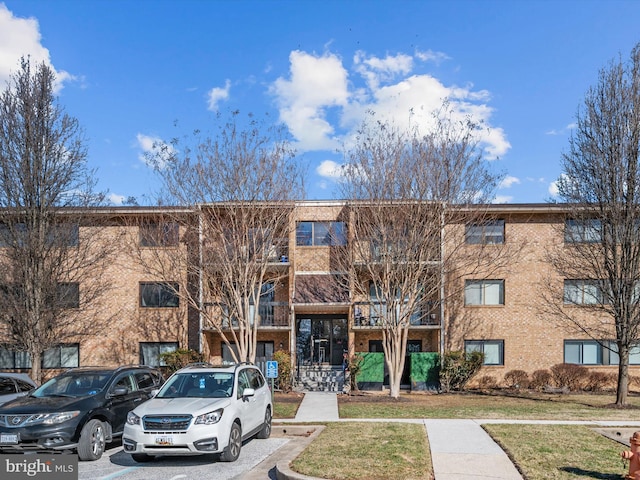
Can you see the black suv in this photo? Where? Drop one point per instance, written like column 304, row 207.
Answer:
column 81, row 409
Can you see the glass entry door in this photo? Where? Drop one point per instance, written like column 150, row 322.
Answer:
column 321, row 339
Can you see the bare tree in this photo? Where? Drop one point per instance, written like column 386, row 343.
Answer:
column 241, row 184
column 601, row 187
column 404, row 188
column 47, row 280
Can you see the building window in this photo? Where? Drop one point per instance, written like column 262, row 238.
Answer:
column 484, row 292
column 592, row 352
column 493, row 350
column 264, row 352
column 159, row 234
column 68, row 295
column 582, row 231
column 63, row 234
column 62, row 356
column 491, row 232
column 320, row 234
column 159, row 294
column 150, row 352
column 11, row 359
column 583, row 292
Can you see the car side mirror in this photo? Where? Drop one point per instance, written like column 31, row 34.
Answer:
column 154, row 392
column 248, row 392
column 119, row 391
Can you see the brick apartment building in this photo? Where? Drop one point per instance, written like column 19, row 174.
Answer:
column 310, row 315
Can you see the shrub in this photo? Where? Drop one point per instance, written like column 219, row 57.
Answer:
column 284, row 382
column 569, row 375
column 540, row 379
column 457, row 368
column 487, row 382
column 178, row 359
column 516, row 379
column 600, row 381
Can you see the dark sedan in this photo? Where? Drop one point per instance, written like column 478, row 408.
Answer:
column 82, row 409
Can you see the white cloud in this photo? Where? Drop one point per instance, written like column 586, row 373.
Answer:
column 503, row 199
column 553, row 189
column 509, row 181
column 562, row 131
column 20, row 37
column 376, row 70
column 323, row 105
column 316, row 84
column 329, row 169
column 154, row 149
column 116, row 199
column 217, row 94
column 431, row 56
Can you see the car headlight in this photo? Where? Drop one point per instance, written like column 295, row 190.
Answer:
column 52, row 418
column 133, row 419
column 209, row 418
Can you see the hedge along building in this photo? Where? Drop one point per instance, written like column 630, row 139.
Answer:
column 157, row 301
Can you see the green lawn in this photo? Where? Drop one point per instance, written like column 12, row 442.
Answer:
column 401, row 451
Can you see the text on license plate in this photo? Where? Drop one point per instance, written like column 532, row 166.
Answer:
column 8, row 438
column 164, row 440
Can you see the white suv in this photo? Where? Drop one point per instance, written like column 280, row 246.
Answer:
column 201, row 409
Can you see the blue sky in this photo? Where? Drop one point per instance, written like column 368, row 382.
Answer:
column 128, row 70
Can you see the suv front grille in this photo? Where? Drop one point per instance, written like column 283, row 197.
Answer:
column 166, row 422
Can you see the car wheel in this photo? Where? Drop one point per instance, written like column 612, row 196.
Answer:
column 265, row 431
column 92, row 440
column 232, row 451
column 142, row 457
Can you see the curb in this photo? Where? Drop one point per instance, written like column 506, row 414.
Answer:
column 307, row 434
column 300, row 437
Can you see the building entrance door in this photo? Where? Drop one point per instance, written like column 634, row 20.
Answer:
column 321, row 338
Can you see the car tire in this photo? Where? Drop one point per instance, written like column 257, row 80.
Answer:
column 232, row 450
column 265, row 431
column 142, row 457
column 92, row 441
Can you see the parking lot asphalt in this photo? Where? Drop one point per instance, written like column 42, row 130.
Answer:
column 116, row 464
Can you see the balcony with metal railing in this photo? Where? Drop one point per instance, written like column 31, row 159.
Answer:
column 273, row 315
column 373, row 316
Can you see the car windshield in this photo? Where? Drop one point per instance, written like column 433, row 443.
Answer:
column 73, row 385
column 200, row 384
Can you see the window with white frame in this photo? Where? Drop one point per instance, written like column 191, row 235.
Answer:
column 490, row 232
column 493, row 350
column 151, row 352
column 484, row 292
column 582, row 231
column 583, row 292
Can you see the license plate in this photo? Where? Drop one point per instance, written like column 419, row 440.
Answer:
column 8, row 438
column 164, row 440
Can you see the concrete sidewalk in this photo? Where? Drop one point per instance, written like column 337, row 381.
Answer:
column 318, row 407
column 460, row 449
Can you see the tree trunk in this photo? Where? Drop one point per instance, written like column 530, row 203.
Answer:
column 622, row 388
column 36, row 370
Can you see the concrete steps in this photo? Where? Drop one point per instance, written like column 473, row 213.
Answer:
column 320, row 378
